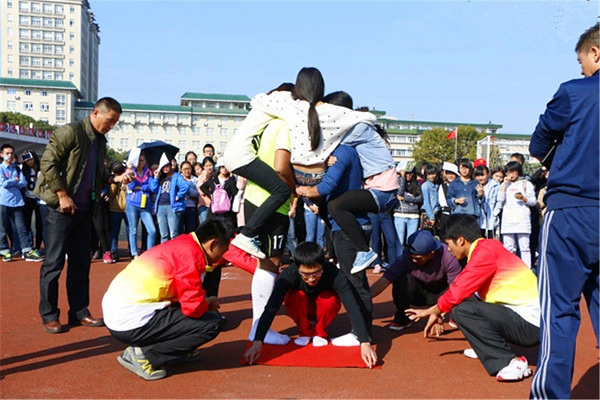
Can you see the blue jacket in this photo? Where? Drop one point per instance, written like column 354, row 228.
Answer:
column 179, row 188
column 341, row 177
column 374, row 155
column 458, row 189
column 431, row 203
column 571, row 119
column 10, row 190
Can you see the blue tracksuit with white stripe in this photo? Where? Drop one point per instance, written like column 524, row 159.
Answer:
column 569, row 251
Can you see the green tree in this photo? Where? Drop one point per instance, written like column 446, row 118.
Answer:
column 19, row 119
column 114, row 155
column 435, row 148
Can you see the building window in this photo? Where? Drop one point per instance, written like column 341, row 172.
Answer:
column 28, row 106
column 154, row 129
column 36, row 61
column 196, row 144
column 48, row 9
column 36, row 74
column 58, row 36
column 224, row 131
column 58, row 76
column 9, row 4
column 58, row 50
column 61, row 100
column 9, row 17
column 11, row 91
column 71, row 36
column 71, row 62
column 139, row 128
column 36, row 48
column 48, row 62
column 23, row 60
column 71, row 49
column 182, row 144
column 10, row 59
column 124, row 142
column 48, row 22
column 210, row 131
column 169, row 129
column 23, row 33
column 72, row 10
column 48, row 35
column 10, row 72
column 23, row 20
column 23, row 6
column 58, row 22
column 23, row 73
column 37, row 21
column 45, row 107
column 58, row 9
column 71, row 22
column 24, row 46
column 58, row 62
column 11, row 105
column 44, row 93
column 196, row 130
column 36, row 7
column 61, row 116
column 71, row 76
column 48, row 48
column 48, row 75
column 36, row 34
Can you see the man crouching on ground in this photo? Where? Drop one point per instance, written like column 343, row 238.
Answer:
column 157, row 305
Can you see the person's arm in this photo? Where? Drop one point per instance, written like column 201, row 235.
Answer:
column 451, row 196
column 552, row 124
column 182, row 187
column 379, row 286
column 283, row 167
column 6, row 181
column 435, row 322
column 428, row 199
column 329, row 182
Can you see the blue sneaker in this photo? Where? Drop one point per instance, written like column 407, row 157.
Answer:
column 363, row 260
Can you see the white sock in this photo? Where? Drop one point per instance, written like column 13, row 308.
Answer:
column 302, row 340
column 347, row 340
column 318, row 341
column 262, row 287
column 277, row 338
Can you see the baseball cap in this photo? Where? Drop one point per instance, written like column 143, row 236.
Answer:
column 422, row 242
column 479, row 162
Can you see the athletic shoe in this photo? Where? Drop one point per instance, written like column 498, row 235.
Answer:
column 107, row 258
column 140, row 365
column 452, row 323
column 397, row 327
column 33, row 255
column 6, row 257
column 363, row 260
column 470, row 353
column 97, row 255
column 249, row 245
column 377, row 269
column 516, row 370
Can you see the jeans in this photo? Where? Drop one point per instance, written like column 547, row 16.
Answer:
column 133, row 217
column 70, row 235
column 386, row 201
column 292, row 240
column 315, row 228
column 115, row 228
column 383, row 222
column 404, row 228
column 307, row 178
column 15, row 215
column 168, row 222
column 202, row 214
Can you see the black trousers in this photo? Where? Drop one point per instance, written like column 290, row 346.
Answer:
column 343, row 209
column 70, row 235
column 489, row 328
column 346, row 253
column 407, row 291
column 265, row 177
column 170, row 335
column 32, row 207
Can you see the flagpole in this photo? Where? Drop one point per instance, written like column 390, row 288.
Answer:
column 456, row 144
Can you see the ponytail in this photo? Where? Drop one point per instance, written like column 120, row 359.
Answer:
column 314, row 127
column 310, row 87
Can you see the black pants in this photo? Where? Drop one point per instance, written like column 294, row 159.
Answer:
column 346, row 254
column 70, row 235
column 32, row 207
column 170, row 335
column 265, row 177
column 101, row 226
column 343, row 210
column 407, row 291
column 489, row 328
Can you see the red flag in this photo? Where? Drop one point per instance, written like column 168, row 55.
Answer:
column 451, row 135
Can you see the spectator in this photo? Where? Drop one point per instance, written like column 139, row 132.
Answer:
column 410, row 198
column 31, row 171
column 117, row 203
column 488, row 188
column 462, row 193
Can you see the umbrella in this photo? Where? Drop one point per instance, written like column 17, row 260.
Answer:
column 153, row 151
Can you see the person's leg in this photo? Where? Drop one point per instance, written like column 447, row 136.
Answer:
column 327, row 307
column 148, row 222
column 310, row 221
column 346, row 254
column 523, row 240
column 375, row 219
column 489, row 328
column 568, row 265
column 412, row 225
column 22, row 231
column 78, row 266
column 343, row 210
column 190, row 219
column 400, row 225
column 390, row 236
column 115, row 227
column 58, row 230
column 39, row 226
column 202, row 214
column 320, row 232
column 28, row 210
column 174, row 221
column 163, row 224
column 265, row 177
column 170, row 335
column 4, row 227
column 133, row 217
column 509, row 242
column 300, row 310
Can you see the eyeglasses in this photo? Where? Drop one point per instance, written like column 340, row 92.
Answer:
column 315, row 274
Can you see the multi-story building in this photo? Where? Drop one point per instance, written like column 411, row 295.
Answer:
column 47, row 44
column 201, row 118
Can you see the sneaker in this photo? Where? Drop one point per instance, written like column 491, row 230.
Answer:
column 452, row 323
column 115, row 256
column 97, row 255
column 17, row 254
column 397, row 327
column 249, row 245
column 377, row 269
column 33, row 256
column 516, row 370
column 470, row 353
column 140, row 365
column 6, row 257
column 363, row 260
column 107, row 258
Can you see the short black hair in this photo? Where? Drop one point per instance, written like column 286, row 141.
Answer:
column 214, row 229
column 514, row 166
column 339, row 98
column 519, row 157
column 207, row 159
column 108, row 104
column 208, row 146
column 6, row 146
column 481, row 170
column 464, row 225
column 309, row 253
column 588, row 39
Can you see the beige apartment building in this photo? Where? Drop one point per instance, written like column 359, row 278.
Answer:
column 48, row 51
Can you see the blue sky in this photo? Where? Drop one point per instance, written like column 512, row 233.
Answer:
column 452, row 61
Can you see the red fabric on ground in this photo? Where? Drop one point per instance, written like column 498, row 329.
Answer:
column 292, row 355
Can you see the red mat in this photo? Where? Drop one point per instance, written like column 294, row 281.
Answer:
column 292, row 355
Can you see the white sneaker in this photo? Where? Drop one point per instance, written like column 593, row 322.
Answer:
column 318, row 341
column 470, row 353
column 249, row 245
column 516, row 370
column 347, row 340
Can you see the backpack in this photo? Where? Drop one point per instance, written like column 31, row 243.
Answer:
column 221, row 203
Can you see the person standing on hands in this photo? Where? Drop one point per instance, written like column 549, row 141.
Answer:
column 72, row 176
column 568, row 261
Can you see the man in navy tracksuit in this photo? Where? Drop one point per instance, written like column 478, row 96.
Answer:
column 568, row 262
